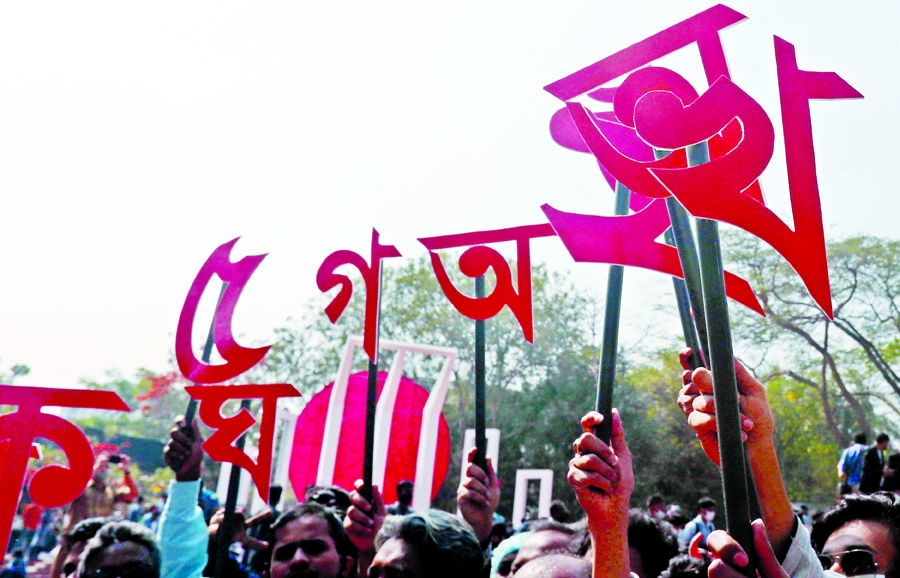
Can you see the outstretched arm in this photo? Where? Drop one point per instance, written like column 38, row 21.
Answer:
column 697, row 402
column 602, row 478
column 182, row 529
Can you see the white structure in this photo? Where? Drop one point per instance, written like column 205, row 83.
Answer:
column 522, row 477
column 493, row 448
column 286, row 423
column 383, row 415
column 493, row 451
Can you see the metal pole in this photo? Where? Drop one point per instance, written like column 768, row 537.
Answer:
column 480, row 439
column 607, row 375
column 721, row 362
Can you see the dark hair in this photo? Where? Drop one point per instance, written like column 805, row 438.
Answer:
column 882, row 437
column 335, row 528
column 559, row 511
column 84, row 531
column 117, row 532
column 655, row 540
column 883, row 507
column 860, row 437
column 685, row 565
column 275, row 494
column 405, row 484
column 446, row 545
column 706, row 502
column 655, row 499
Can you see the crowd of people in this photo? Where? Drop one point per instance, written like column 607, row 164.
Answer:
column 340, row 534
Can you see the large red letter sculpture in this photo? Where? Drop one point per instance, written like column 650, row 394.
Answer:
column 475, row 261
column 54, row 485
column 632, row 240
column 238, row 359
column 666, row 113
column 327, row 279
column 220, row 446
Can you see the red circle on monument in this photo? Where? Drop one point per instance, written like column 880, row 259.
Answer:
column 403, row 446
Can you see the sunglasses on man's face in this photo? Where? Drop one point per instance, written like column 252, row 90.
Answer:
column 136, row 570
column 853, row 562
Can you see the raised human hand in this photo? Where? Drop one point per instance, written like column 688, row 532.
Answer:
column 478, row 496
column 730, row 560
column 364, row 519
column 184, row 450
column 601, row 474
column 697, row 402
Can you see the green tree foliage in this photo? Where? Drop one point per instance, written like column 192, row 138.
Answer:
column 843, row 371
column 848, row 361
column 807, row 456
column 669, row 459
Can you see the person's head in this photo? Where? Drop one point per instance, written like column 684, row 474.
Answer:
column 656, row 506
column 548, row 537
column 556, row 566
column 707, row 508
column 651, row 543
column 18, row 554
column 559, row 512
column 860, row 438
column 76, row 540
column 101, row 469
column 309, row 540
column 405, row 492
column 120, row 549
column 686, row 566
column 433, row 544
column 882, row 441
column 505, row 553
column 275, row 495
column 504, row 567
column 860, row 531
column 498, row 533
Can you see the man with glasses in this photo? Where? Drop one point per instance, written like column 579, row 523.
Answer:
column 861, row 535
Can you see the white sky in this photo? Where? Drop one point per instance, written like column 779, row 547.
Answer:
column 135, row 138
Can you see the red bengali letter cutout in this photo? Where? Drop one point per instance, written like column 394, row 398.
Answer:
column 238, row 359
column 624, row 156
column 475, row 262
column 714, row 190
column 327, row 279
column 220, row 446
column 54, row 485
